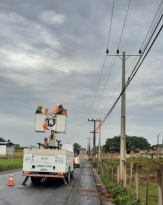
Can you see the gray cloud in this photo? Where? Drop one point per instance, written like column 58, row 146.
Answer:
column 52, row 52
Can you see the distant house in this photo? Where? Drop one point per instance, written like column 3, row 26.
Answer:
column 160, row 146
column 7, row 148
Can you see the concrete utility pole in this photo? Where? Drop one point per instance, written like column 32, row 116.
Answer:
column 158, row 146
column 123, row 112
column 99, row 146
column 94, row 135
column 89, row 147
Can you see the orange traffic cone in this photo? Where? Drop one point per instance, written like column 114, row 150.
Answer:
column 11, row 182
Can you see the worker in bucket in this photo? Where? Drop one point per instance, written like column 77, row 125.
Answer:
column 61, row 110
column 39, row 109
column 45, row 145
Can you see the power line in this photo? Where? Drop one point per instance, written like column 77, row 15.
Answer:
column 105, row 86
column 159, row 8
column 103, row 61
column 117, row 86
column 146, row 46
column 129, row 80
column 111, row 23
column 124, row 23
column 115, row 56
column 97, row 85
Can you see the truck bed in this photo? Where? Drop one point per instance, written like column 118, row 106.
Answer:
column 50, row 152
column 47, row 161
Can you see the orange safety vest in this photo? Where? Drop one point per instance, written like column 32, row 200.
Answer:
column 74, row 160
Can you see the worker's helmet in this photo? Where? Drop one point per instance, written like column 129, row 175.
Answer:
column 60, row 105
column 39, row 106
column 45, row 138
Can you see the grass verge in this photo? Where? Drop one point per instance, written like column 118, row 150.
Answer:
column 7, row 164
column 121, row 196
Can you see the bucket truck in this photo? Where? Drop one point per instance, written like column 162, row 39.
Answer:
column 57, row 160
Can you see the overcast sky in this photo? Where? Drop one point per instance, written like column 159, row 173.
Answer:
column 52, row 52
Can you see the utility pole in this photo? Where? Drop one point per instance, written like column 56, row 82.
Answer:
column 89, row 147
column 123, row 112
column 99, row 146
column 158, row 146
column 94, row 135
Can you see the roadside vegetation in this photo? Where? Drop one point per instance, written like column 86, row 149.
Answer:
column 19, row 153
column 8, row 164
column 121, row 196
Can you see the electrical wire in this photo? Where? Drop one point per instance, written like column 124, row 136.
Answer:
column 124, row 23
column 115, row 56
column 130, row 78
column 105, row 85
column 111, row 23
column 118, row 86
column 144, row 48
column 144, row 44
column 152, row 24
column 97, row 85
column 103, row 61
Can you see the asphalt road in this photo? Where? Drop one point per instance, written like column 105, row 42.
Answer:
column 82, row 189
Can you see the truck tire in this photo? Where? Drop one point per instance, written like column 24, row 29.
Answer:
column 33, row 180
column 38, row 179
column 68, row 176
column 72, row 175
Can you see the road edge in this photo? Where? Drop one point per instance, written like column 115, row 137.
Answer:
column 12, row 170
column 101, row 189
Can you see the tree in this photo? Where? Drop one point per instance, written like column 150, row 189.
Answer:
column 76, row 147
column 83, row 149
column 17, row 146
column 2, row 140
column 133, row 143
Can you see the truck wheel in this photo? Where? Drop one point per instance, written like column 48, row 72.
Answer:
column 38, row 179
column 68, row 176
column 33, row 180
column 72, row 175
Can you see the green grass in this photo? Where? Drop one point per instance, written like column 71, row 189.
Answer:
column 7, row 164
column 19, row 153
column 120, row 196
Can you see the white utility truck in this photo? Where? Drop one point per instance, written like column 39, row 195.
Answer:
column 77, row 161
column 54, row 162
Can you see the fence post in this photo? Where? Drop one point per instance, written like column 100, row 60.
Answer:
column 112, row 172
column 106, row 168
column 109, row 170
column 147, row 173
column 100, row 164
column 137, row 183
column 124, row 176
column 131, row 175
column 160, row 188
column 102, row 167
column 118, row 173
